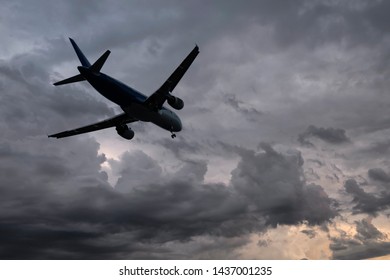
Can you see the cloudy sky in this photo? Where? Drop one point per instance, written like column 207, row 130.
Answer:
column 284, row 151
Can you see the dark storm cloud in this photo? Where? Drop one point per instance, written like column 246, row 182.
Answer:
column 38, row 174
column 180, row 209
column 329, row 135
column 38, row 180
column 83, row 217
column 367, row 202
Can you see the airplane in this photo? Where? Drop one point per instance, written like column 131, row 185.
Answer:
column 135, row 105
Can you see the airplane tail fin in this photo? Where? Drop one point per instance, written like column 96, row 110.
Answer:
column 84, row 61
column 96, row 67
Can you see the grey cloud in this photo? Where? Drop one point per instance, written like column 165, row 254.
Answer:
column 365, row 202
column 329, row 135
column 336, row 21
column 137, row 168
column 379, row 174
column 250, row 113
column 333, row 177
column 263, row 243
column 342, row 243
column 186, row 145
column 318, row 163
column 381, row 148
column 310, row 233
column 193, row 171
column 182, row 146
column 364, row 252
column 310, row 174
column 366, row 231
column 375, row 149
column 273, row 184
column 220, row 248
column 307, row 21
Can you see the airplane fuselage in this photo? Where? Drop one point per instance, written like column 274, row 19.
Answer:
column 135, row 105
column 130, row 100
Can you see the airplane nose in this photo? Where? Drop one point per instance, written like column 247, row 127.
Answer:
column 176, row 124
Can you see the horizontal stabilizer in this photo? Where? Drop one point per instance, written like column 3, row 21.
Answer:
column 74, row 79
column 100, row 62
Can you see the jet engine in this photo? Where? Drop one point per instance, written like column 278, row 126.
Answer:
column 175, row 102
column 125, row 132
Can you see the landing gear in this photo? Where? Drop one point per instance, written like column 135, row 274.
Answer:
column 173, row 135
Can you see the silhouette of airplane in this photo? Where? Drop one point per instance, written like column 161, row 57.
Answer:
column 135, row 105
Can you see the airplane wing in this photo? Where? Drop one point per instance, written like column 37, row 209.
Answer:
column 114, row 121
column 157, row 99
